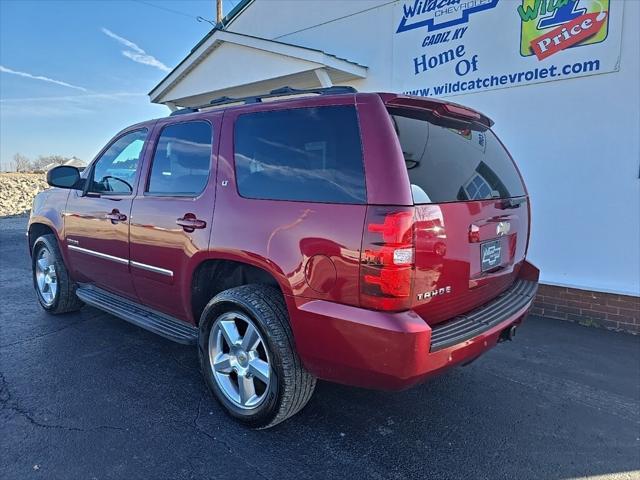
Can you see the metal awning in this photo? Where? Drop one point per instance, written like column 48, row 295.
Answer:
column 237, row 65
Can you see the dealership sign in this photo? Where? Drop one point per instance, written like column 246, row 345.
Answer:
column 451, row 47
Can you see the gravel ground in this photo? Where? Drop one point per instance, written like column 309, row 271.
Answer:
column 17, row 191
column 89, row 396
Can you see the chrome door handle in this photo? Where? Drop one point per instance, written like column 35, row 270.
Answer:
column 115, row 216
column 189, row 222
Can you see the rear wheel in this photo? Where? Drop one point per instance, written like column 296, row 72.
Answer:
column 248, row 358
column 54, row 288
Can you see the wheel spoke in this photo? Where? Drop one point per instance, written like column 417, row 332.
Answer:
column 260, row 369
column 42, row 264
column 222, row 363
column 246, row 389
column 230, row 332
column 251, row 339
column 40, row 280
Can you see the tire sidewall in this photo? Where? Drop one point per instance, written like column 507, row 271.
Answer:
column 38, row 245
column 268, row 409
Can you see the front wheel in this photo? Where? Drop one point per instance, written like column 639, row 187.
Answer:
column 248, row 358
column 54, row 287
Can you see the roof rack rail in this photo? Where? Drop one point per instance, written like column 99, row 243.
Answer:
column 182, row 111
column 278, row 92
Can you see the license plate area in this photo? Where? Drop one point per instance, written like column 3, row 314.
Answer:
column 490, row 255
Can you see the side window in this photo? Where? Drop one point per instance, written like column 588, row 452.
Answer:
column 302, row 154
column 115, row 171
column 182, row 160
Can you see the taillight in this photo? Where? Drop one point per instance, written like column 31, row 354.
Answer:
column 387, row 259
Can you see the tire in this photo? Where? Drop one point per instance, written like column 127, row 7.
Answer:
column 288, row 387
column 62, row 298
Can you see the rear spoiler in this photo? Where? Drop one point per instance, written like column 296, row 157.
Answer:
column 438, row 111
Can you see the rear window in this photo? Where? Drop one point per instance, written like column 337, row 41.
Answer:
column 449, row 165
column 303, row 154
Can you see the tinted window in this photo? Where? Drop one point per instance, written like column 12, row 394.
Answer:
column 115, row 170
column 447, row 165
column 305, row 154
column 182, row 159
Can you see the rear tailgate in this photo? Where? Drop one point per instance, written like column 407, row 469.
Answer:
column 452, row 239
column 471, row 207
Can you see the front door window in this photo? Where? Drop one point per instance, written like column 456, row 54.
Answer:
column 115, row 171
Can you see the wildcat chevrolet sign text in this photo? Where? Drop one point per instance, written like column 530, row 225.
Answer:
column 450, row 47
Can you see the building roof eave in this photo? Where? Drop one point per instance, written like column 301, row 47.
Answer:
column 219, row 37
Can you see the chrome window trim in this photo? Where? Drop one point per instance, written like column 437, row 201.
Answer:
column 122, row 261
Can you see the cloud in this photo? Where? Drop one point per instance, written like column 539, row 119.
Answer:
column 41, row 78
column 74, row 98
column 68, row 105
column 136, row 53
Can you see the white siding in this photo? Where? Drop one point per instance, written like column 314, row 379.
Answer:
column 576, row 141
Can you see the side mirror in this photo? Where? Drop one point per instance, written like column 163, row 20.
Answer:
column 64, row 176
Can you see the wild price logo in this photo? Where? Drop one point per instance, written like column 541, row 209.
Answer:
column 550, row 26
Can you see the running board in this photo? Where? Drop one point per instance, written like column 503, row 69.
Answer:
column 156, row 322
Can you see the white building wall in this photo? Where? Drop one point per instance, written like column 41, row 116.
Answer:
column 575, row 141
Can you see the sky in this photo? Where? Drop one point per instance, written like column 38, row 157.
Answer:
column 73, row 73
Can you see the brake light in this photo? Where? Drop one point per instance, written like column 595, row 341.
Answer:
column 458, row 111
column 387, row 259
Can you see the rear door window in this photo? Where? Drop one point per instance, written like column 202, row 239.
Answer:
column 303, row 154
column 449, row 165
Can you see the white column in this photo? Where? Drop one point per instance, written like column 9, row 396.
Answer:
column 323, row 77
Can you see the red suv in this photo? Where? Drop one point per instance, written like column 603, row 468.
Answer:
column 370, row 239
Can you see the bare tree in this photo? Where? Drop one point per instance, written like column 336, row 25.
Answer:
column 21, row 163
column 45, row 160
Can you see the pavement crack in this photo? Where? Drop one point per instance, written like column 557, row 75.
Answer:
column 190, row 368
column 8, row 403
column 5, row 396
column 36, row 423
column 224, row 443
column 36, row 337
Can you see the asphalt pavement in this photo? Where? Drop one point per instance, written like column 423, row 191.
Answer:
column 88, row 396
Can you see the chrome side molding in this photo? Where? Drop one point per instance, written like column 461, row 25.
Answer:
column 122, row 261
column 151, row 268
column 104, row 256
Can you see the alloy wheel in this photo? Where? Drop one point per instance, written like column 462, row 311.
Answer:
column 239, row 360
column 46, row 278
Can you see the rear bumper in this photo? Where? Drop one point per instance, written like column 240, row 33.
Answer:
column 392, row 351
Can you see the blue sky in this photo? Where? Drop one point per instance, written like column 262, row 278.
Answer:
column 98, row 60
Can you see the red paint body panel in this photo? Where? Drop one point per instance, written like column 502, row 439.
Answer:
column 86, row 224
column 157, row 240
column 446, row 257
column 380, row 350
column 312, row 250
column 280, row 236
column 387, row 178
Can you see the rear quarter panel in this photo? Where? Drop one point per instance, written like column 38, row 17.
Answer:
column 312, row 249
column 387, row 178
